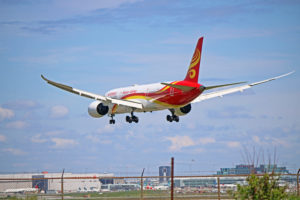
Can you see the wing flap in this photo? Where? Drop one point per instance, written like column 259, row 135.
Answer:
column 94, row 96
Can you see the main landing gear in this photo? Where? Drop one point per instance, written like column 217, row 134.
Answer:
column 112, row 121
column 132, row 118
column 173, row 117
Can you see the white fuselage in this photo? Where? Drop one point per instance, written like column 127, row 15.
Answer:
column 135, row 90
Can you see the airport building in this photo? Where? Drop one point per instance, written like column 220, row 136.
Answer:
column 207, row 181
column 238, row 170
column 249, row 169
column 164, row 171
column 195, row 182
column 119, row 187
column 51, row 182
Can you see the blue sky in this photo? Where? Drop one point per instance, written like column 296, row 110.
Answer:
column 100, row 45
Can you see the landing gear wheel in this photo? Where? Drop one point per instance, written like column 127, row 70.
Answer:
column 135, row 119
column 112, row 121
column 176, row 118
column 132, row 118
column 169, row 118
column 128, row 119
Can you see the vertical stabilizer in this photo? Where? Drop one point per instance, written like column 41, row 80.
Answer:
column 193, row 71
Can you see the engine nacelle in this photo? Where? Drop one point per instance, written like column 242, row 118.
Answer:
column 97, row 109
column 183, row 110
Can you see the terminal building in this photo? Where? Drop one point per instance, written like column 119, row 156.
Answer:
column 250, row 169
column 238, row 170
column 51, row 182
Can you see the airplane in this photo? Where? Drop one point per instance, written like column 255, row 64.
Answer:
column 176, row 96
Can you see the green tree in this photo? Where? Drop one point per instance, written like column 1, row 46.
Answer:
column 264, row 187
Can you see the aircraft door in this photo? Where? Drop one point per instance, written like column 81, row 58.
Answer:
column 171, row 91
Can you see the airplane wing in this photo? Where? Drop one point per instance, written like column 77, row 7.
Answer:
column 218, row 86
column 221, row 93
column 94, row 96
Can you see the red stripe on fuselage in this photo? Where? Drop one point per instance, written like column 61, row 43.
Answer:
column 172, row 96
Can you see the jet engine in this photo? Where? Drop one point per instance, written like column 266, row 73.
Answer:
column 183, row 110
column 97, row 109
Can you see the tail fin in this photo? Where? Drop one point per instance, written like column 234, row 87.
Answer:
column 193, row 71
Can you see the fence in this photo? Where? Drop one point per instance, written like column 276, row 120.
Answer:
column 111, row 187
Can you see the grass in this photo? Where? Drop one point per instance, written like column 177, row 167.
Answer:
column 148, row 195
column 293, row 197
column 19, row 198
column 122, row 194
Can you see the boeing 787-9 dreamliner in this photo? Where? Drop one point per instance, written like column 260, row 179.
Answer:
column 176, row 96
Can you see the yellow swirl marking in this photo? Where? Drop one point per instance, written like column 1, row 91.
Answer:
column 114, row 109
column 194, row 62
column 192, row 73
column 154, row 101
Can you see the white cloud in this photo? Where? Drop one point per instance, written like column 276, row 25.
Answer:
column 26, row 103
column 279, row 142
column 51, row 133
column 232, row 33
column 191, row 125
column 233, row 144
column 271, row 141
column 199, row 150
column 97, row 139
column 256, row 139
column 58, row 111
column 62, row 9
column 77, row 7
column 21, row 165
column 6, row 113
column 16, row 152
column 21, row 104
column 105, row 141
column 63, row 143
column 129, row 134
column 108, row 128
column 93, row 138
column 37, row 139
column 178, row 142
column 2, row 138
column 17, row 125
column 206, row 140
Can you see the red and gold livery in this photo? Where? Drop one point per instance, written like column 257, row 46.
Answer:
column 176, row 96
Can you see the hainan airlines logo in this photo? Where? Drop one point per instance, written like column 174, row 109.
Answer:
column 194, row 62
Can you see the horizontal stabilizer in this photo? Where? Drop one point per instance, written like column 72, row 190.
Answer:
column 180, row 87
column 218, row 86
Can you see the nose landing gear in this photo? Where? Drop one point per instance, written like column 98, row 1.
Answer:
column 112, row 121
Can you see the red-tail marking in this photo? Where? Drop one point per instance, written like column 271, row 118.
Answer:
column 193, row 71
